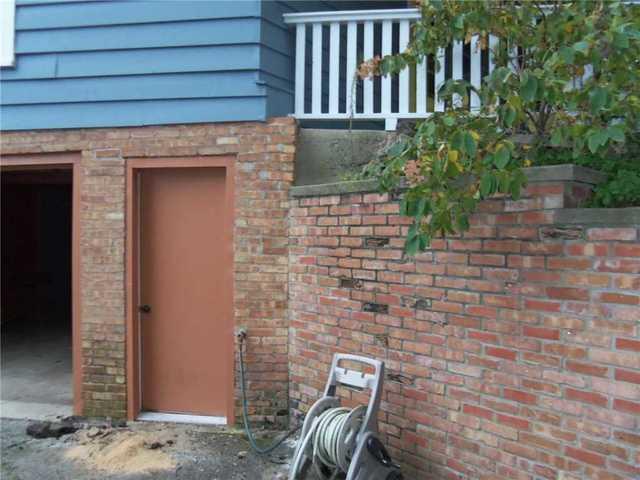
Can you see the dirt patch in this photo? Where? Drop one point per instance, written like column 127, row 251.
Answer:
column 124, row 451
column 136, row 451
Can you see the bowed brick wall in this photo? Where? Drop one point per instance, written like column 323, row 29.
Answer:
column 264, row 154
column 512, row 352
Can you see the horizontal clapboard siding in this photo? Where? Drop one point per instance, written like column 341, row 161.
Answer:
column 135, row 62
column 134, row 87
column 82, row 63
column 55, row 14
column 127, row 113
column 230, row 31
column 120, row 63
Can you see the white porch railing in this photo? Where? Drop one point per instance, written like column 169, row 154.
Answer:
column 326, row 87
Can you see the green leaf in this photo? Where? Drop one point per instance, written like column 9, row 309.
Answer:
column 597, row 99
column 557, row 137
column 449, row 121
column 528, row 87
column 422, row 208
column 621, row 40
column 424, row 241
column 509, row 116
column 412, row 244
column 596, row 139
column 462, row 222
column 396, row 149
column 616, row 133
column 581, row 47
column 404, row 207
column 515, row 189
column 469, row 144
column 457, row 141
column 486, row 184
column 567, row 54
column 505, row 184
column 501, row 157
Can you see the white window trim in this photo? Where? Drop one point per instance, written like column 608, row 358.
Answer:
column 7, row 33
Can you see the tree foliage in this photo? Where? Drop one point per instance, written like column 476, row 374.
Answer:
column 566, row 75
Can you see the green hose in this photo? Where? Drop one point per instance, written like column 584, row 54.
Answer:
column 245, row 414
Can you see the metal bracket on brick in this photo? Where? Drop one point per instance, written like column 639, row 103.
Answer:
column 350, row 283
column 376, row 241
column 375, row 307
column 382, row 339
column 399, row 378
column 417, row 303
column 565, row 233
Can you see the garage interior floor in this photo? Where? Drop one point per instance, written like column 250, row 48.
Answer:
column 36, row 375
column 36, row 369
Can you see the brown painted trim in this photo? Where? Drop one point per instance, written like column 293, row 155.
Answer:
column 54, row 162
column 132, row 332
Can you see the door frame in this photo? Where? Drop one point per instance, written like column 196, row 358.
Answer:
column 70, row 161
column 133, row 362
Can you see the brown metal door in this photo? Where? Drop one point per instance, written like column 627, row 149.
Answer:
column 185, row 260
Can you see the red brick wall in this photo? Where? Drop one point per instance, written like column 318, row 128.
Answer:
column 511, row 352
column 264, row 155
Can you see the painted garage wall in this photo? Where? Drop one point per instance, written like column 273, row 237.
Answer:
column 83, row 63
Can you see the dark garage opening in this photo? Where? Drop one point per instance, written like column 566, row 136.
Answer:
column 36, row 312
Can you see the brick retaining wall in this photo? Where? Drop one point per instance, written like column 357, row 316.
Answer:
column 264, row 154
column 511, row 351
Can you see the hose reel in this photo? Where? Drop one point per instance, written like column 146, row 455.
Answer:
column 340, row 441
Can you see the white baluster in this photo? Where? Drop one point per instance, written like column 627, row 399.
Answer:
column 588, row 73
column 421, row 86
column 352, row 43
column 476, row 71
column 368, row 55
column 493, row 44
column 386, row 80
column 334, row 67
column 439, row 80
column 457, row 59
column 316, row 70
column 403, row 78
column 513, row 59
column 300, row 67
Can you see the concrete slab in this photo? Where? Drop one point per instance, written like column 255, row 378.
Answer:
column 36, row 375
column 34, row 411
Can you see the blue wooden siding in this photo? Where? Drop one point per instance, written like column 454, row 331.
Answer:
column 85, row 63
column 125, row 63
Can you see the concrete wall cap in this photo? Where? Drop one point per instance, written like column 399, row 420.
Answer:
column 337, row 188
column 564, row 173
column 598, row 216
column 553, row 173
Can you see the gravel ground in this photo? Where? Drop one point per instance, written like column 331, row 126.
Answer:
column 135, row 452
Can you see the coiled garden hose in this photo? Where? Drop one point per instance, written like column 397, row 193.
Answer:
column 245, row 409
column 332, row 439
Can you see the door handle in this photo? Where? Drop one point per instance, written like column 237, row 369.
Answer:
column 144, row 308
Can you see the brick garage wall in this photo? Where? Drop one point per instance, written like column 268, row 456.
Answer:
column 512, row 351
column 264, row 155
